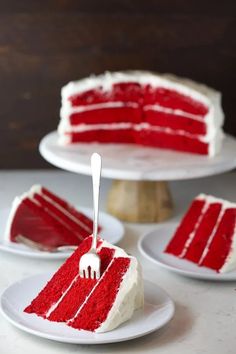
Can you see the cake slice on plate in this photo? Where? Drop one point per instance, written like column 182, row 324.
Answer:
column 41, row 219
column 207, row 234
column 145, row 108
column 90, row 304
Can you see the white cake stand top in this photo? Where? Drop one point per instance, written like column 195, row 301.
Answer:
column 133, row 162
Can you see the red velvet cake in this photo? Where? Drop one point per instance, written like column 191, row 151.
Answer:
column 142, row 108
column 97, row 305
column 207, row 234
column 41, row 219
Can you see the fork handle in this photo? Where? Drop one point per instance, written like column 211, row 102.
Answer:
column 96, row 165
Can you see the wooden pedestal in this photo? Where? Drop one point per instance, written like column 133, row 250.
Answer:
column 140, row 201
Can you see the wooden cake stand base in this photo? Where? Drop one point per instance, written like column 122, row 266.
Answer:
column 140, row 201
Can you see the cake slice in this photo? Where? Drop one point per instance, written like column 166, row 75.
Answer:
column 207, row 234
column 43, row 220
column 90, row 304
column 145, row 108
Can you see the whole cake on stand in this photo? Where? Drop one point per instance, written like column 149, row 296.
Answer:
column 143, row 108
column 149, row 129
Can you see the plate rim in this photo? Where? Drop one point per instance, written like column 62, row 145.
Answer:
column 53, row 337
column 4, row 245
column 221, row 277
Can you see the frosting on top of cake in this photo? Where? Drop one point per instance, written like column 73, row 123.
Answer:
column 105, row 81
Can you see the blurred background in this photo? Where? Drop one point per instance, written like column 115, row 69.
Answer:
column 45, row 44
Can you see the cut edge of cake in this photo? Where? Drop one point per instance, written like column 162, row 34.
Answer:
column 58, row 205
column 206, row 95
column 229, row 260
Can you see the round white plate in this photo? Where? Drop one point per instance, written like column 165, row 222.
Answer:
column 141, row 163
column 152, row 246
column 112, row 231
column 158, row 310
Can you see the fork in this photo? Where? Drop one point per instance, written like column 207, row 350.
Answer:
column 90, row 262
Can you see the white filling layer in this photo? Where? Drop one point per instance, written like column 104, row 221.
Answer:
column 192, row 234
column 214, row 139
column 177, row 112
column 142, row 126
column 66, row 112
column 128, row 299
column 68, row 109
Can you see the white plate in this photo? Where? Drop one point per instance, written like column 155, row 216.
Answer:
column 141, row 163
column 112, row 231
column 152, row 246
column 158, row 310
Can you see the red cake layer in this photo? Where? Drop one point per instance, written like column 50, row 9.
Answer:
column 222, row 241
column 187, row 225
column 81, row 303
column 141, row 94
column 113, row 115
column 48, row 220
column 203, row 232
column 125, row 136
column 106, row 115
column 174, row 121
column 147, row 137
column 171, row 140
column 206, row 232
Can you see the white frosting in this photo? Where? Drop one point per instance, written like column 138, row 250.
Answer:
column 207, row 96
column 105, row 81
column 15, row 205
column 230, row 262
column 68, row 109
column 16, row 202
column 128, row 299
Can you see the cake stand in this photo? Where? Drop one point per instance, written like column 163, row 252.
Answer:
column 140, row 191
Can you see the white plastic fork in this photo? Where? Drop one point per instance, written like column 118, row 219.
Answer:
column 90, row 262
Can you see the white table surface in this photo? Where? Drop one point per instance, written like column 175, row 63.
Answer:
column 205, row 318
